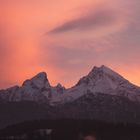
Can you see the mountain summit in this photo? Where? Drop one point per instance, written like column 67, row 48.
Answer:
column 103, row 76
column 99, row 80
column 39, row 81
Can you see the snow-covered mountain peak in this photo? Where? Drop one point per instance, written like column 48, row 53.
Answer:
column 104, row 70
column 39, row 81
column 40, row 76
column 103, row 80
column 104, row 76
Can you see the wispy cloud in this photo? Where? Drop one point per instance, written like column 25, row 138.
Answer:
column 93, row 19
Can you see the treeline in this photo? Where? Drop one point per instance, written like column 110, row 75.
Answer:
column 70, row 129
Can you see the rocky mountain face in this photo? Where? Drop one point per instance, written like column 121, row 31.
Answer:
column 37, row 89
column 101, row 95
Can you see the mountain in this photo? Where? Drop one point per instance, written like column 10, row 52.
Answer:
column 36, row 89
column 101, row 95
column 99, row 80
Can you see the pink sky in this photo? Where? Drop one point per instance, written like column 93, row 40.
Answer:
column 67, row 38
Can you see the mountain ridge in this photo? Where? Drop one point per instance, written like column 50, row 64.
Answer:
column 101, row 95
column 99, row 79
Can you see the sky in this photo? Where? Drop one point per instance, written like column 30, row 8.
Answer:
column 67, row 38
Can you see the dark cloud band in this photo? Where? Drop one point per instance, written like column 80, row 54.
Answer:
column 94, row 19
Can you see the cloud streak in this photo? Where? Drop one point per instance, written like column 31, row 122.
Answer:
column 98, row 18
